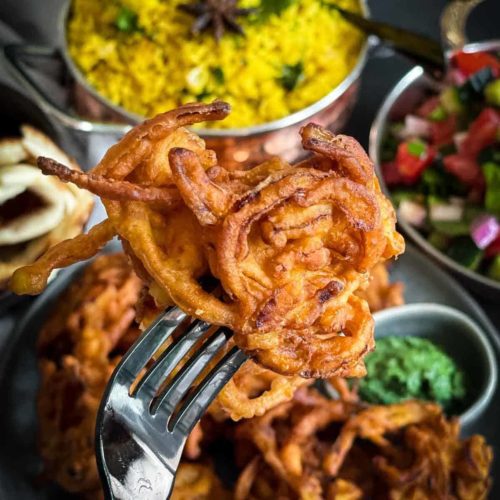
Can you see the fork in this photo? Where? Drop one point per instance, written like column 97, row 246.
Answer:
column 142, row 426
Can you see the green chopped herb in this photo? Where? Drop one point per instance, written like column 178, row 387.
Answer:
column 400, row 195
column 218, row 74
column 417, row 147
column 494, row 268
column 273, row 7
column 389, row 148
column 438, row 240
column 203, row 95
column 436, row 181
column 438, row 115
column 464, row 251
column 126, row 20
column 491, row 173
column 292, row 75
column 491, row 154
column 448, row 149
column 404, row 368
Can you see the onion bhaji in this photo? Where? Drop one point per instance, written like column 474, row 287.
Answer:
column 289, row 244
column 379, row 292
column 78, row 348
column 314, row 448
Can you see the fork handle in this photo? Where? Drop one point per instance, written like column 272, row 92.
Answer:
column 129, row 471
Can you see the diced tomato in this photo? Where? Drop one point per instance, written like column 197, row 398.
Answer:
column 428, row 106
column 482, row 132
column 465, row 168
column 442, row 132
column 470, row 63
column 411, row 166
column 391, row 174
column 493, row 248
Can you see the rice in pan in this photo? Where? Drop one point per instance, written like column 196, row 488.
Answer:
column 141, row 55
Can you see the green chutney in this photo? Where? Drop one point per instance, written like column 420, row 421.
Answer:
column 404, row 368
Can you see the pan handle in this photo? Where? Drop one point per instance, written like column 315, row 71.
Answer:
column 16, row 56
column 453, row 23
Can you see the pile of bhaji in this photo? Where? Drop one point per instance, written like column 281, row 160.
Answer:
column 292, row 259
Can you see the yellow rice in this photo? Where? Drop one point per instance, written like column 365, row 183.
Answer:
column 164, row 65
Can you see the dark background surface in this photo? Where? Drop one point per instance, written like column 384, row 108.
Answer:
column 35, row 21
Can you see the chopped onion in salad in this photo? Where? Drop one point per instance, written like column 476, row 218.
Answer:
column 484, row 230
column 458, row 139
column 414, row 126
column 446, row 212
column 412, row 212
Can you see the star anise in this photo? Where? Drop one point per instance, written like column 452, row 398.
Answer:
column 216, row 14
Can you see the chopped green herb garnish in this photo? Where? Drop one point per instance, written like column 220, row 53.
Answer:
column 218, row 74
column 436, row 181
column 126, row 20
column 203, row 95
column 404, row 368
column 291, row 75
column 491, row 154
column 494, row 269
column 447, row 149
column 491, row 173
column 417, row 147
column 439, row 114
column 273, row 7
column 464, row 251
column 389, row 148
column 438, row 240
column 400, row 195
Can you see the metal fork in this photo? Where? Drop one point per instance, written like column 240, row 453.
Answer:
column 141, row 430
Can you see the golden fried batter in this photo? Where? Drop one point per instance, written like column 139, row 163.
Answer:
column 312, row 448
column 379, row 292
column 290, row 245
column 198, row 482
column 78, row 348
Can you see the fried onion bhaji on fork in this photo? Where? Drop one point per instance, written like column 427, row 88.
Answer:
column 312, row 448
column 290, row 245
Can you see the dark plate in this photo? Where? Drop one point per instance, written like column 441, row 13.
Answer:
column 19, row 462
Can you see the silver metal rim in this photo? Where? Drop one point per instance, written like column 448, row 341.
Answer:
column 287, row 121
column 376, row 136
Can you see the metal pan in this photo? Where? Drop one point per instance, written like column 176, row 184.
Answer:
column 279, row 137
column 402, row 99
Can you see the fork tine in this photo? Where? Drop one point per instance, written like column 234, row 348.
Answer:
column 168, row 399
column 147, row 344
column 196, row 404
column 168, row 360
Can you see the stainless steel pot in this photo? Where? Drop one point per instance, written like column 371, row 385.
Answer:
column 402, row 99
column 233, row 146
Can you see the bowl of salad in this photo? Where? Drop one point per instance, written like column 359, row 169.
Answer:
column 436, row 145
